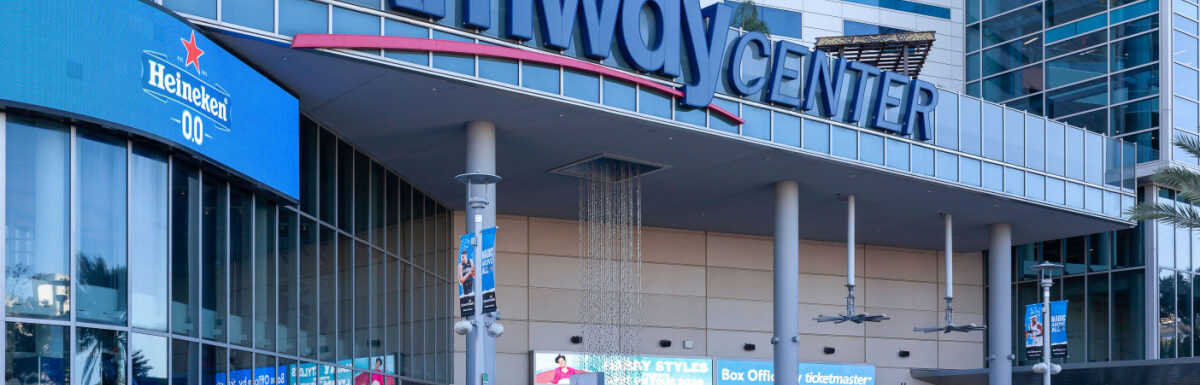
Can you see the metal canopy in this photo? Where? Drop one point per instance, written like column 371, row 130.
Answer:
column 897, row 52
column 412, row 120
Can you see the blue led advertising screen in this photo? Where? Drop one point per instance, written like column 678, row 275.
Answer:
column 134, row 66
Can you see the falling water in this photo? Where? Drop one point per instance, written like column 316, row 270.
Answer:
column 610, row 246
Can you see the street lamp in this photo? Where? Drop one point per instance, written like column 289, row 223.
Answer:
column 1046, row 368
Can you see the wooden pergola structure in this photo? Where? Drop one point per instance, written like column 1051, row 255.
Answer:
column 897, row 52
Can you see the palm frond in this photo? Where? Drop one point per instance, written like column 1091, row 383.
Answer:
column 1189, row 143
column 1183, row 215
column 1181, row 179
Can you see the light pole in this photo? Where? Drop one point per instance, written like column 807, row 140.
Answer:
column 1046, row 368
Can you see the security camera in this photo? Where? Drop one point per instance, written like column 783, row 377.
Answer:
column 495, row 329
column 464, row 327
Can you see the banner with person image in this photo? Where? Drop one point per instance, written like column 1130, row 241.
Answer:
column 556, row 368
column 465, row 273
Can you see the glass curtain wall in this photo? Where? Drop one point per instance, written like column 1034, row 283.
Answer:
column 1090, row 63
column 1103, row 280
column 125, row 262
column 1178, row 255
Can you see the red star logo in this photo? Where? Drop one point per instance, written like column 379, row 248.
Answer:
column 193, row 52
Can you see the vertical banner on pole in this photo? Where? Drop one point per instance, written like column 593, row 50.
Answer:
column 1034, row 327
column 488, row 270
column 1058, row 329
column 466, row 276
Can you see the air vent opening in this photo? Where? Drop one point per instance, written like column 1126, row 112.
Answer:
column 586, row 168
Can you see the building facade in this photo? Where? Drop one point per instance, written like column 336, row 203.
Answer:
column 263, row 190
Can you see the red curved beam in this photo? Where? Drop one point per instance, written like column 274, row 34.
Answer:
column 400, row 43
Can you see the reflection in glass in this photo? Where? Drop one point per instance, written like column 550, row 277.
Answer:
column 289, row 264
column 1073, row 292
column 36, row 354
column 264, row 275
column 185, row 249
column 99, row 357
column 328, row 294
column 1097, row 317
column 148, row 226
column 241, row 278
column 1077, row 66
column 1136, row 51
column 100, row 236
column 1166, row 314
column 1135, row 84
column 148, row 355
column 213, row 364
column 1128, row 327
column 214, row 282
column 37, row 213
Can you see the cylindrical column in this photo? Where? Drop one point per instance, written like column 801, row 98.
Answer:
column 850, row 241
column 787, row 286
column 1000, row 305
column 949, row 258
column 1046, row 282
column 481, row 158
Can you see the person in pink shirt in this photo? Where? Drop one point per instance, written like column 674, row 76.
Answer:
column 562, row 374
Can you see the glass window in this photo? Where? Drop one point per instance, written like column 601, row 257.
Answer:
column 1185, row 49
column 1136, row 116
column 1185, row 8
column 308, row 334
column 1056, row 191
column 1077, row 66
column 241, row 277
column 1167, row 316
column 1014, row 181
column 1135, row 84
column 1134, row 27
column 845, row 142
column 1125, row 13
column 1134, row 51
column 1077, row 98
column 1014, row 137
column 1184, row 114
column 1076, row 43
column 970, row 126
column 37, row 213
column 328, row 177
column 148, row 225
column 362, row 196
column 1184, row 24
column 1094, row 158
column 37, row 354
column 264, row 275
column 993, row 8
column 993, row 132
column 871, row 147
column 584, row 86
column 462, row 64
column 540, row 77
column 621, row 95
column 1185, row 81
column 897, row 154
column 969, row 173
column 1012, row 55
column 202, row 8
column 1095, row 121
column 758, row 120
column 302, row 16
column 1035, row 186
column 854, row 28
column 1074, row 154
column 214, row 282
column 1128, row 327
column 214, row 362
column 993, row 176
column 787, row 129
column 308, row 165
column 946, row 134
column 1013, row 84
column 1062, row 11
column 257, row 14
column 947, row 166
column 1013, row 25
column 1075, row 196
column 289, row 264
column 345, row 303
column 99, row 356
column 396, row 28
column 346, row 21
column 345, row 185
column 1031, row 104
column 1035, row 142
column 328, row 294
column 504, row 71
column 185, row 253
column 816, row 136
column 100, row 236
column 1055, row 148
column 362, row 300
column 1073, row 291
column 922, row 160
column 973, row 43
column 149, row 359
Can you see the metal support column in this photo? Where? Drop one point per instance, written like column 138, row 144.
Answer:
column 787, row 286
column 1000, row 305
column 481, row 160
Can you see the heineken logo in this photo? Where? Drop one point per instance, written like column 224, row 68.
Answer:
column 200, row 103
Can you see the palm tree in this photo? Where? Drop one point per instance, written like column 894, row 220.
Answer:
column 746, row 18
column 1186, row 183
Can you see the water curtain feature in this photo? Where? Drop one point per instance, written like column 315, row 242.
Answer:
column 610, row 248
